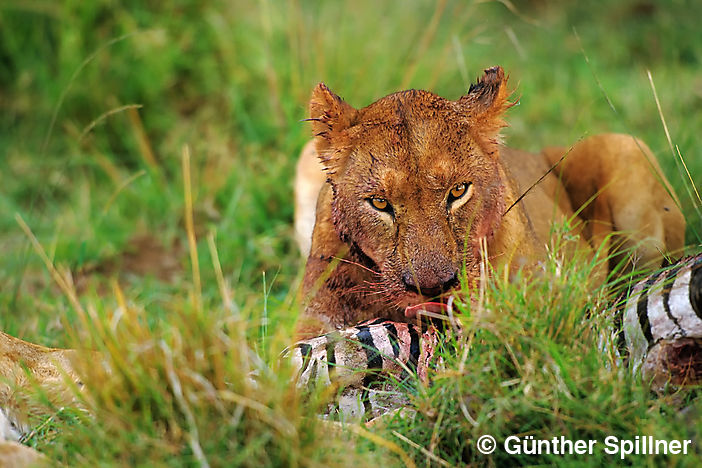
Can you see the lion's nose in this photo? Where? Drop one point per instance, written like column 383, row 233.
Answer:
column 429, row 283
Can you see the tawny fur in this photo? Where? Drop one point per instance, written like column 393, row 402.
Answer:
column 409, row 149
column 25, row 366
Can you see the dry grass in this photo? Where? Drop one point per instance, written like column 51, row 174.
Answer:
column 100, row 100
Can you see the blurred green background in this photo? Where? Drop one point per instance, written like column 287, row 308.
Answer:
column 98, row 99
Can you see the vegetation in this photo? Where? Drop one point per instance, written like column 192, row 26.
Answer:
column 115, row 114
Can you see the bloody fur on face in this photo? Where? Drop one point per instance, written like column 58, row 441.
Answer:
column 395, row 168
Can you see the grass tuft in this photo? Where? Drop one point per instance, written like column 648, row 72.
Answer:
column 100, row 99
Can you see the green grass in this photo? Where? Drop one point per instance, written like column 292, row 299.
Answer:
column 101, row 186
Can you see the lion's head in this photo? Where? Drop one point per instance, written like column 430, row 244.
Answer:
column 415, row 181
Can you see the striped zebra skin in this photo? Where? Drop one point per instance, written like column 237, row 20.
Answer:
column 662, row 325
column 368, row 363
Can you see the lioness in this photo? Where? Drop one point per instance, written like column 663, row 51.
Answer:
column 409, row 186
column 408, row 189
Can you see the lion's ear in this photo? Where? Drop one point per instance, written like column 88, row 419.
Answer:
column 331, row 116
column 485, row 104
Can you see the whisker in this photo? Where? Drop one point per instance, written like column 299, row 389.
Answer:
column 357, row 264
column 373, row 293
column 370, row 287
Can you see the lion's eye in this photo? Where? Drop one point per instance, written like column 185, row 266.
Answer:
column 458, row 191
column 380, row 204
column 459, row 194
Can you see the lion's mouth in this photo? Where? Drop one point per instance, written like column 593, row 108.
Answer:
column 429, row 309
